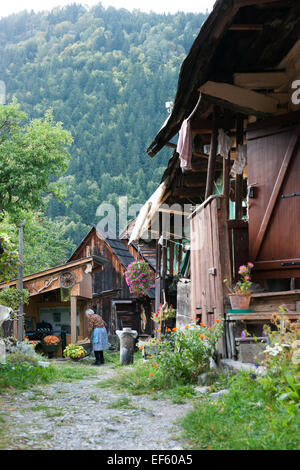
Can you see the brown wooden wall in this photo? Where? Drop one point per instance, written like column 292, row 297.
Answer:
column 274, row 209
column 112, row 275
column 210, row 259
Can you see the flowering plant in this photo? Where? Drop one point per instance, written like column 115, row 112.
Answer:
column 139, row 278
column 163, row 313
column 51, row 340
column 243, row 286
column 74, row 351
column 283, row 341
column 32, row 342
column 186, row 351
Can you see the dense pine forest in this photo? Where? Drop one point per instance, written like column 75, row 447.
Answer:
column 107, row 75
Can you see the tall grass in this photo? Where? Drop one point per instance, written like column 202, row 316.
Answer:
column 25, row 376
column 247, row 418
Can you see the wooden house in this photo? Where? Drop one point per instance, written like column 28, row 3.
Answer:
column 111, row 296
column 237, row 160
column 58, row 297
column 93, row 277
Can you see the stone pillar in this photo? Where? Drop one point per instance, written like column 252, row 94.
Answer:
column 2, row 352
column 127, row 341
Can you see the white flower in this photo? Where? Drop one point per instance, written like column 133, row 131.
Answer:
column 275, row 350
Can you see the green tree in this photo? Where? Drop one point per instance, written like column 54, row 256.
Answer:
column 32, row 155
column 44, row 241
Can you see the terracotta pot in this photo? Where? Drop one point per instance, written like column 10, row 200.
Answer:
column 241, row 301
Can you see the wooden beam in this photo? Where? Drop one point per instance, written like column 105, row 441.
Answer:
column 212, row 158
column 172, row 146
column 240, row 99
column 73, row 319
column 260, row 81
column 171, row 211
column 246, row 27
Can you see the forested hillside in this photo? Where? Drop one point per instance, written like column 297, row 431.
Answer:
column 107, row 75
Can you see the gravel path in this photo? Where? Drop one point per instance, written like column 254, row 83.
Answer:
column 80, row 415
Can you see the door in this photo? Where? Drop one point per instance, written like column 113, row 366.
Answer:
column 274, row 199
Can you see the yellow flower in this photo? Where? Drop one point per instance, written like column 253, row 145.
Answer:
column 158, row 329
column 151, row 374
column 201, row 336
column 186, row 326
column 141, row 348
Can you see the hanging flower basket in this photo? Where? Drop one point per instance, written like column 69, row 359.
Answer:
column 139, row 278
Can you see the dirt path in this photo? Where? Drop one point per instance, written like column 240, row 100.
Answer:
column 80, row 415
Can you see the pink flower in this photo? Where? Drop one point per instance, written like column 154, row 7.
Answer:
column 243, row 269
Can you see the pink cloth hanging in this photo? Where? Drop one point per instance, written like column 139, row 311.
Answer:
column 184, row 145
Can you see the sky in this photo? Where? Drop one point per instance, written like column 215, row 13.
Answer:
column 158, row 6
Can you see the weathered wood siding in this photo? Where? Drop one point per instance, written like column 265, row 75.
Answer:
column 112, row 275
column 210, row 260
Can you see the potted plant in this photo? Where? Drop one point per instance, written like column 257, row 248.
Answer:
column 74, row 352
column 240, row 293
column 165, row 315
column 50, row 344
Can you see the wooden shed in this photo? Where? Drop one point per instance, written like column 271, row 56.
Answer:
column 237, row 118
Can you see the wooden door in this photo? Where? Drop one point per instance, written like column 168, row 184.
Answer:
column 210, row 262
column 274, row 203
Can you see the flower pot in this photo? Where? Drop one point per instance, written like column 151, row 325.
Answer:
column 50, row 349
column 240, row 301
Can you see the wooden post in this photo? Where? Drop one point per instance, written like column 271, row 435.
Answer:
column 20, row 328
column 73, row 319
column 239, row 178
column 226, row 182
column 212, row 157
column 158, row 265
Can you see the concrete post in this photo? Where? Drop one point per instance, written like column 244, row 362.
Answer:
column 127, row 341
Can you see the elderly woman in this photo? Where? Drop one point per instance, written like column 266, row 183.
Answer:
column 97, row 334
